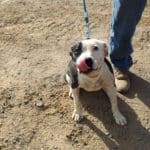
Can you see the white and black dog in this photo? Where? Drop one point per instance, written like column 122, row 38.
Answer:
column 90, row 70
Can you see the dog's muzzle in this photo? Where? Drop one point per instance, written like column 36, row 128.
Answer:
column 85, row 65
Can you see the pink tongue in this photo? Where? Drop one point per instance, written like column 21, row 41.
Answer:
column 82, row 66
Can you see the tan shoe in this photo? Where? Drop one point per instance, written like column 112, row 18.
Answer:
column 122, row 81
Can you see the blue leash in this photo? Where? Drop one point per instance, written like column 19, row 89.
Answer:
column 86, row 20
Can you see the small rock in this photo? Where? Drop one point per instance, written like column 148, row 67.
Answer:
column 26, row 101
column 1, row 110
column 76, row 141
column 8, row 97
column 61, row 116
column 107, row 133
column 52, row 95
column 135, row 61
column 39, row 104
column 13, row 142
column 68, row 137
column 80, row 132
column 25, row 58
column 6, row 141
column 5, row 104
column 85, row 143
column 55, row 147
column 33, row 132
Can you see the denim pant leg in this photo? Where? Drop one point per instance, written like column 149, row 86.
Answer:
column 126, row 14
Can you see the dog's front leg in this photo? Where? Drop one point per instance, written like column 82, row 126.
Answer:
column 112, row 94
column 77, row 113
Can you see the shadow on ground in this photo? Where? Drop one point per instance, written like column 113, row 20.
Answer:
column 132, row 136
column 140, row 88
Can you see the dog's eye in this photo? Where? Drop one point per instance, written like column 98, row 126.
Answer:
column 95, row 48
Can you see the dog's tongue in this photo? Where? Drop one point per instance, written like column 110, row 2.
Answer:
column 82, row 66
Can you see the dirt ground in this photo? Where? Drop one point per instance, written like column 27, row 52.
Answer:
column 35, row 38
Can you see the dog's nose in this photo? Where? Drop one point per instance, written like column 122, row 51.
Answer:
column 84, row 64
column 89, row 62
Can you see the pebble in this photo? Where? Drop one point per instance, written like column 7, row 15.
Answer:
column 8, row 97
column 68, row 137
column 75, row 141
column 80, row 132
column 55, row 147
column 61, row 116
column 1, row 110
column 26, row 102
column 107, row 133
column 52, row 95
column 135, row 61
column 39, row 104
column 6, row 141
column 85, row 143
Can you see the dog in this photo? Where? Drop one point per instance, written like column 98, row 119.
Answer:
column 90, row 70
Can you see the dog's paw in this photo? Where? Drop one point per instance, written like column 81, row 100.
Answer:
column 119, row 118
column 77, row 116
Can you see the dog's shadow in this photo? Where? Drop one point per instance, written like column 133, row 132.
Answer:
column 130, row 137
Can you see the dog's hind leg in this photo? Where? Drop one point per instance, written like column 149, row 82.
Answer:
column 77, row 113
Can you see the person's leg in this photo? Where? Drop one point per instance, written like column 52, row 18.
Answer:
column 126, row 15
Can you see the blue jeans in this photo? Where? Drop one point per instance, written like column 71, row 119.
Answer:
column 126, row 15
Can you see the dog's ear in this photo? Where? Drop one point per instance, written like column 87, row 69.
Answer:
column 76, row 51
column 105, row 50
column 71, row 52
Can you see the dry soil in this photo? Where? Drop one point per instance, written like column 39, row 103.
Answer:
column 35, row 39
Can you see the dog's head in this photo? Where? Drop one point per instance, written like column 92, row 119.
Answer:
column 89, row 55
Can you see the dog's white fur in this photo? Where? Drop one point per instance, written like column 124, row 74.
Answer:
column 99, row 78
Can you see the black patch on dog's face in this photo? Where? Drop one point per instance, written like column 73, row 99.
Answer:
column 76, row 51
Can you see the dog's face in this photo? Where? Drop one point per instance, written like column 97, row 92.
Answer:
column 89, row 55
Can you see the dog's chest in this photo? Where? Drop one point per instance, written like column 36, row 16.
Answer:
column 90, row 84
